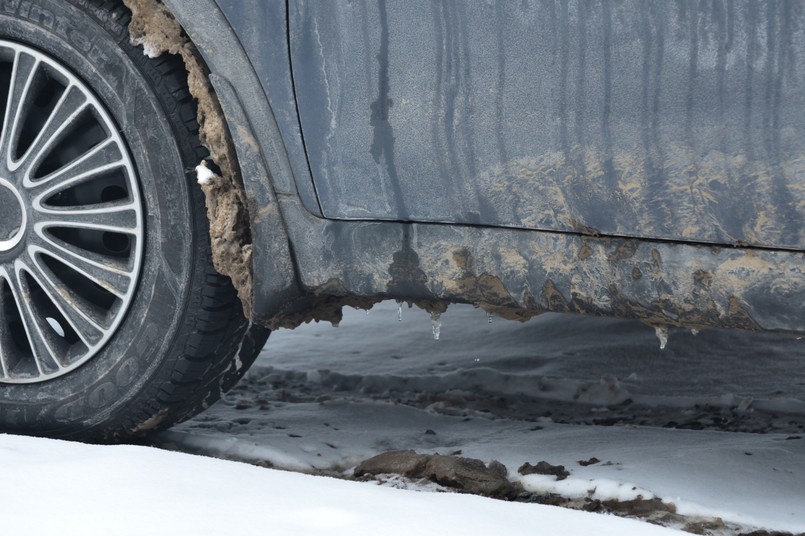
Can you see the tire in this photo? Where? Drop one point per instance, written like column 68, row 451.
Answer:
column 113, row 322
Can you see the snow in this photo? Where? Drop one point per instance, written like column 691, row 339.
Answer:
column 576, row 488
column 204, row 174
column 320, row 400
column 56, row 487
column 149, row 49
column 703, row 473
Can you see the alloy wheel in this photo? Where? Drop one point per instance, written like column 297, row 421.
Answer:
column 71, row 219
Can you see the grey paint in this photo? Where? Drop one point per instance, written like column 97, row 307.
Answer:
column 671, row 120
column 270, row 248
column 515, row 273
column 261, row 28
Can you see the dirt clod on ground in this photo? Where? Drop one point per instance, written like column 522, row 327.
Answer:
column 466, row 475
column 591, row 461
column 155, row 28
column 544, row 468
column 770, row 533
column 636, row 507
column 704, row 527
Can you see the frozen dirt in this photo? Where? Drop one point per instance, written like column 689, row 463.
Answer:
column 706, row 435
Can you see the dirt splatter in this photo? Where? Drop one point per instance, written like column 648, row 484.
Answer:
column 324, row 304
column 155, row 28
column 636, row 507
column 466, row 475
column 769, row 533
column 698, row 200
column 705, row 526
column 152, row 423
column 544, row 468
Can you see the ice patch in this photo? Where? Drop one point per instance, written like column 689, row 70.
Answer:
column 436, row 325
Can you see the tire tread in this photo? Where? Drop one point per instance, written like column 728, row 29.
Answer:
column 202, row 365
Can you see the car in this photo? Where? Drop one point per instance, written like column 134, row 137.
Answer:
column 178, row 179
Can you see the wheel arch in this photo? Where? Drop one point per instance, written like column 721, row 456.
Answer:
column 240, row 130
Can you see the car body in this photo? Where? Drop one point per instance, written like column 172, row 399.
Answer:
column 637, row 159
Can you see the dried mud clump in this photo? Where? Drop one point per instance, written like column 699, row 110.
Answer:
column 544, row 468
column 155, row 28
column 465, row 475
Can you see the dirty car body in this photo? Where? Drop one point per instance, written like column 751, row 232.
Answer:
column 636, row 159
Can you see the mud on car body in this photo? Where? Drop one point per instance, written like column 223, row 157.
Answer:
column 633, row 159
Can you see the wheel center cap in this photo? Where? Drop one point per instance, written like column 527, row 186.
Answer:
column 12, row 216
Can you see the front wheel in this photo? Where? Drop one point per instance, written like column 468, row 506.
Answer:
column 112, row 320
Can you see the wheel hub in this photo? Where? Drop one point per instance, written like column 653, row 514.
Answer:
column 12, row 216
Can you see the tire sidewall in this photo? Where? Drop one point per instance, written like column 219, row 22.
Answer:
column 144, row 338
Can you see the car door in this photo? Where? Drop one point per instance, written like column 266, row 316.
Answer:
column 656, row 119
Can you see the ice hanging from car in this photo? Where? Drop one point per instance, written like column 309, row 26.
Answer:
column 436, row 324
column 662, row 335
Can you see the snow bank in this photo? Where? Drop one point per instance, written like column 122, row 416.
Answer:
column 56, row 487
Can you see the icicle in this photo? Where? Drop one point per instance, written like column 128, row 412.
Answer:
column 662, row 334
column 488, row 318
column 399, row 311
column 436, row 324
column 744, row 405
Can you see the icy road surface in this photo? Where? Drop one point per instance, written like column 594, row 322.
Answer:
column 705, row 435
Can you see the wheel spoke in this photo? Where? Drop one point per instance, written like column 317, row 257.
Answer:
column 98, row 160
column 69, row 277
column 5, row 329
column 37, row 332
column 25, row 66
column 107, row 272
column 80, row 314
column 116, row 217
column 66, row 112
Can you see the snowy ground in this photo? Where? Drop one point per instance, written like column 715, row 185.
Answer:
column 55, row 487
column 706, row 435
